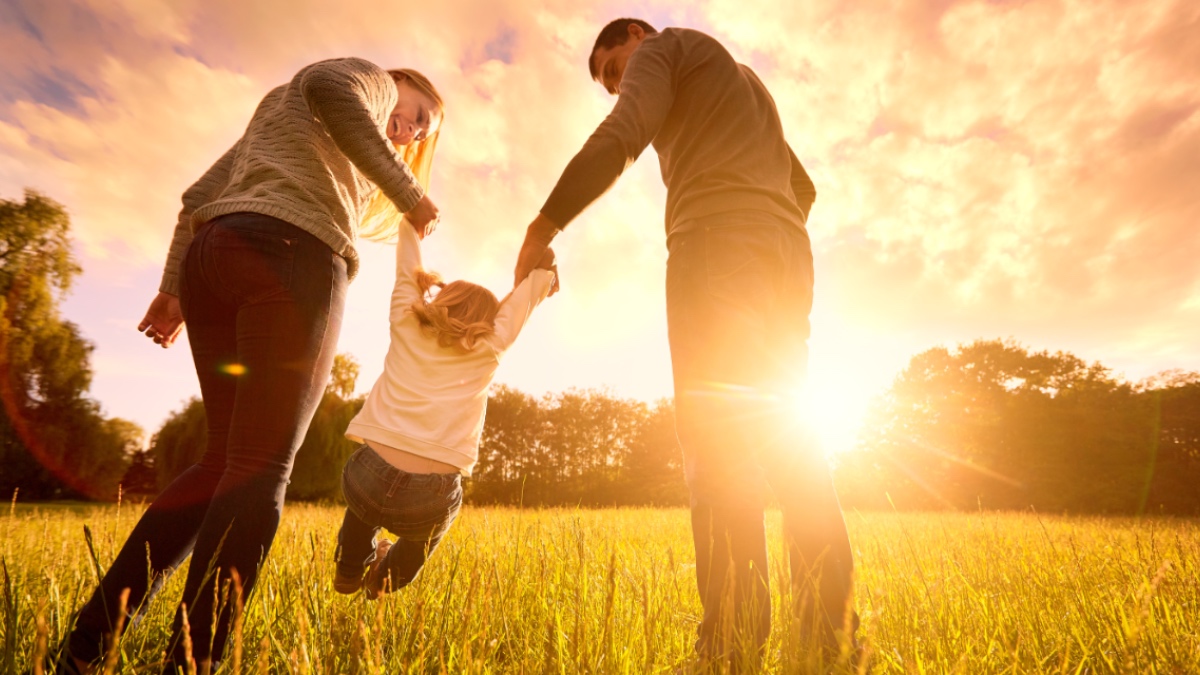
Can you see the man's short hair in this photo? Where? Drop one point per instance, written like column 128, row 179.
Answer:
column 614, row 34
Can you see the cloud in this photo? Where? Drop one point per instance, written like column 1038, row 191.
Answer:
column 1023, row 164
column 121, row 162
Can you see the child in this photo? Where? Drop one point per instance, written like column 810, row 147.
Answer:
column 421, row 423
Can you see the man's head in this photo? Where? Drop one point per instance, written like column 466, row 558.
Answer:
column 614, row 45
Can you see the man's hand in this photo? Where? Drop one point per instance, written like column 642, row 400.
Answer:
column 548, row 263
column 163, row 321
column 538, row 236
column 424, row 217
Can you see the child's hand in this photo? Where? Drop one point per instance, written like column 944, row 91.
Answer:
column 424, row 217
column 538, row 236
column 424, row 230
column 548, row 263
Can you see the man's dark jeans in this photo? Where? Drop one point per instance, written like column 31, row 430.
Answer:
column 418, row 508
column 738, row 301
column 263, row 302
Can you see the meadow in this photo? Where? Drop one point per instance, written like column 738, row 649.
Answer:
column 612, row 591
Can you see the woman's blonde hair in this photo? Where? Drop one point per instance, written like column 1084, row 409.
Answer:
column 459, row 316
column 381, row 221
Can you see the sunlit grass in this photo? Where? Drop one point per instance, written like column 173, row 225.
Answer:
column 613, row 591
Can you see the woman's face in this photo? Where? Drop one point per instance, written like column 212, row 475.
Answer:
column 415, row 116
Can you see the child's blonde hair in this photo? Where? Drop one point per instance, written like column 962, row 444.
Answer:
column 381, row 221
column 459, row 316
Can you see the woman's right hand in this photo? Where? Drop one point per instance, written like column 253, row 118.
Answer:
column 163, row 321
column 424, row 217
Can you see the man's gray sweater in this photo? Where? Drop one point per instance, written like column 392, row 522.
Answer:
column 717, row 132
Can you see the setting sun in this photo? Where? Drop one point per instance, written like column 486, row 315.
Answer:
column 834, row 410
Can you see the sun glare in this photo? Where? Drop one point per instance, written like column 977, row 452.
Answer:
column 834, row 411
column 846, row 371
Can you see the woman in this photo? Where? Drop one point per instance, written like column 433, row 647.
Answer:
column 258, row 267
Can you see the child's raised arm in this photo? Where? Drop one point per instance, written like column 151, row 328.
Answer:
column 519, row 305
column 408, row 261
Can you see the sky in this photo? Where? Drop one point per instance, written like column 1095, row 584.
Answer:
column 984, row 169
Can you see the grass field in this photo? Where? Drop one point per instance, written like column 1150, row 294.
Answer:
column 564, row 591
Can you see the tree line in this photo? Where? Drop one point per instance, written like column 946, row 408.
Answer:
column 579, row 447
column 987, row 425
column 990, row 424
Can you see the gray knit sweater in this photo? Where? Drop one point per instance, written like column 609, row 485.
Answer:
column 313, row 154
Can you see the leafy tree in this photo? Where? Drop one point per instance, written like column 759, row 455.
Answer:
column 54, row 441
column 1174, row 399
column 992, row 424
column 140, row 478
column 577, row 447
column 508, row 450
column 179, row 442
column 589, row 433
column 654, row 465
column 344, row 377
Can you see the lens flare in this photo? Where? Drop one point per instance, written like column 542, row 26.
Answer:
column 49, row 457
column 234, row 369
column 773, row 413
column 917, row 477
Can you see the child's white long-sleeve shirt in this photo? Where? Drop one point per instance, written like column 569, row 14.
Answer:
column 431, row 400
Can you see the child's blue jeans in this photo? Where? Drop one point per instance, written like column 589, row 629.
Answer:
column 417, row 507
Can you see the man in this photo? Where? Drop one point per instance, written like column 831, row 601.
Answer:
column 739, row 292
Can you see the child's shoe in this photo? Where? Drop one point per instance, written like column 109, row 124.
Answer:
column 375, row 585
column 347, row 585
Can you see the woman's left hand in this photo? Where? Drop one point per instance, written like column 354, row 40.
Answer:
column 163, row 321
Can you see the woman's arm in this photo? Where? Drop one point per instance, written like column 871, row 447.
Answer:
column 163, row 321
column 353, row 98
column 203, row 191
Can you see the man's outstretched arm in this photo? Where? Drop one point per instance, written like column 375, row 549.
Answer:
column 647, row 93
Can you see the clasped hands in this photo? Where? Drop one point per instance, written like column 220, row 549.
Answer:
column 536, row 251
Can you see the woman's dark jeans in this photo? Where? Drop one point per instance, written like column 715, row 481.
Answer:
column 738, row 301
column 263, row 303
column 417, row 507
